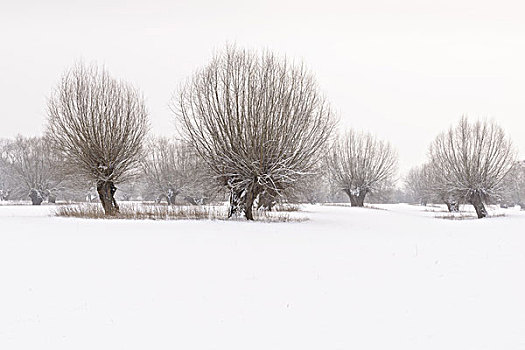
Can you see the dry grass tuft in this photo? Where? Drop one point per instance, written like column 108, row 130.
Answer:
column 166, row 212
column 461, row 216
column 465, row 216
column 440, row 210
column 367, row 206
column 287, row 207
column 336, row 204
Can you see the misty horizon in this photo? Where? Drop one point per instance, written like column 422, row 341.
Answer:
column 403, row 72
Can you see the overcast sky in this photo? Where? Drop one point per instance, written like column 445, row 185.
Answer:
column 404, row 70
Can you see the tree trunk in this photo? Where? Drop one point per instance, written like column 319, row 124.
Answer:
column 106, row 192
column 266, row 201
column 351, row 197
column 36, row 201
column 36, row 197
column 235, row 200
column 52, row 198
column 475, row 200
column 191, row 200
column 360, row 201
column 356, row 200
column 172, row 195
column 159, row 198
column 243, row 201
column 248, row 206
column 452, row 207
column 4, row 195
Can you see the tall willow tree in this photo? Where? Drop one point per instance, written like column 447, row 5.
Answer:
column 258, row 121
column 474, row 158
column 360, row 163
column 30, row 167
column 171, row 168
column 98, row 125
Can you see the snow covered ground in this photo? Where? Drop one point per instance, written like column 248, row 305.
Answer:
column 349, row 278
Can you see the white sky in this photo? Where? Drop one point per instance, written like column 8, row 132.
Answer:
column 404, row 70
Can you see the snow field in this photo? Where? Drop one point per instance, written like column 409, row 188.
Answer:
column 349, row 278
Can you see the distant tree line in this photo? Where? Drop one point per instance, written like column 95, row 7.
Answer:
column 254, row 129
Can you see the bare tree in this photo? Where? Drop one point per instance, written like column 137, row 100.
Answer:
column 313, row 189
column 6, row 186
column 98, row 124
column 173, row 168
column 258, row 122
column 442, row 194
column 474, row 159
column 384, row 192
column 78, row 188
column 32, row 167
column 515, row 185
column 417, row 183
column 423, row 185
column 359, row 163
